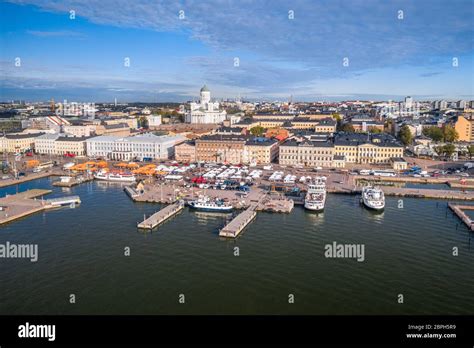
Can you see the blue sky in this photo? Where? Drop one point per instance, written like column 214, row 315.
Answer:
column 83, row 59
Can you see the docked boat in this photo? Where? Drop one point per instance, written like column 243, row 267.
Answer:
column 373, row 198
column 111, row 176
column 316, row 196
column 204, row 203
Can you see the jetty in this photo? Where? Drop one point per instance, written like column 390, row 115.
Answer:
column 13, row 207
column 161, row 216
column 459, row 211
column 238, row 224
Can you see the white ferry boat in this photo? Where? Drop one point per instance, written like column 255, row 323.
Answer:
column 373, row 198
column 204, row 203
column 316, row 196
column 110, row 176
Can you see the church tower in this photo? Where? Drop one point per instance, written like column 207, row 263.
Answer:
column 205, row 95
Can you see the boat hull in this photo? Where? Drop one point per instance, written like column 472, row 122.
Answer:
column 211, row 209
column 131, row 179
column 372, row 207
column 314, row 206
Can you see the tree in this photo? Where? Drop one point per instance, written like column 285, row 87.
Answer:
column 346, row 127
column 445, row 150
column 405, row 135
column 433, row 132
column 450, row 134
column 470, row 151
column 143, row 122
column 337, row 117
column 258, row 131
column 448, row 150
column 375, row 130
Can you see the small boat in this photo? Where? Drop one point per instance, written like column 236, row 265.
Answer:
column 119, row 177
column 373, row 198
column 316, row 196
column 204, row 203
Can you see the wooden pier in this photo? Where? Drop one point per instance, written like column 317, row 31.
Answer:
column 161, row 216
column 458, row 210
column 238, row 224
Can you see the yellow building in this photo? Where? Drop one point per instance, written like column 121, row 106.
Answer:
column 364, row 148
column 307, row 153
column 71, row 145
column 260, row 151
column 464, row 126
column 16, row 143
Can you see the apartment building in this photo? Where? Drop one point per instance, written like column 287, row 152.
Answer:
column 464, row 126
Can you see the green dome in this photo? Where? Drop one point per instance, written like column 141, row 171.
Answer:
column 205, row 89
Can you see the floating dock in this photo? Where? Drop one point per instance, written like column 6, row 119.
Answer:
column 238, row 224
column 458, row 210
column 161, row 216
column 57, row 202
column 67, row 181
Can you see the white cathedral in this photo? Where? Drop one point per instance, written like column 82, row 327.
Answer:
column 205, row 111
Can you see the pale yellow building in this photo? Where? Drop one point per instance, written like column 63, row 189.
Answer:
column 307, row 153
column 185, row 152
column 363, row 148
column 16, row 143
column 260, row 151
column 71, row 145
column 220, row 148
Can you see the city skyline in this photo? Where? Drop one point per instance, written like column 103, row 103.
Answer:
column 256, row 50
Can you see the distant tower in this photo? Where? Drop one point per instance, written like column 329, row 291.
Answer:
column 52, row 106
column 205, row 95
column 115, row 103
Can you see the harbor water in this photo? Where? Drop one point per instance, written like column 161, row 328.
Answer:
column 408, row 251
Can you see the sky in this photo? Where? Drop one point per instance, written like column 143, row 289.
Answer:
column 165, row 50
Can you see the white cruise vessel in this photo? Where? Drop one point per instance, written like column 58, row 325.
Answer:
column 108, row 176
column 316, row 196
column 204, row 203
column 373, row 198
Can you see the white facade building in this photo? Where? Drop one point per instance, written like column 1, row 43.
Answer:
column 133, row 147
column 153, row 120
column 45, row 143
column 206, row 111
